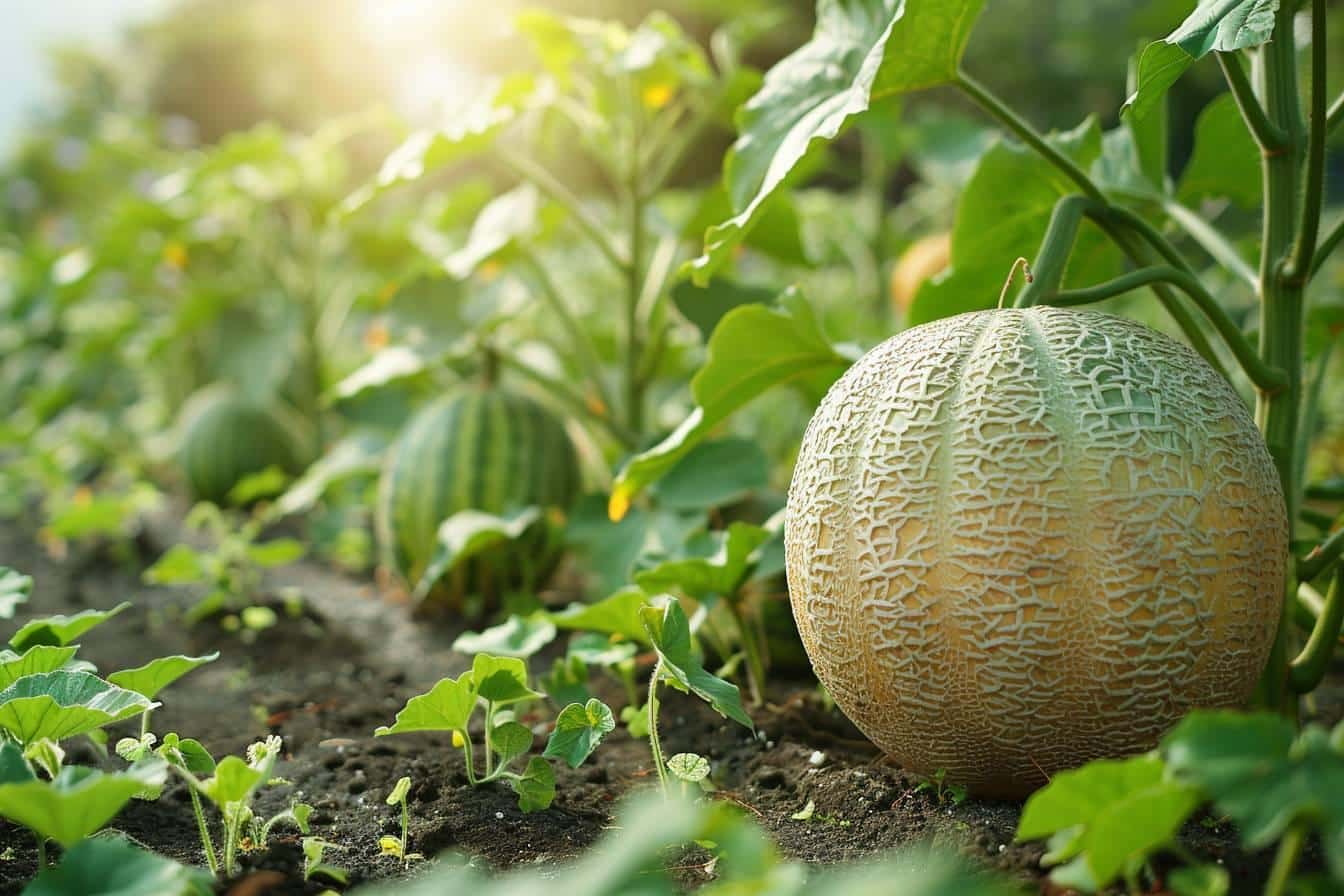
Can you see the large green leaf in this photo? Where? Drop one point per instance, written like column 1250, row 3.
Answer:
column 501, row 679
column 1225, row 162
column 510, row 218
column 721, row 574
column 753, row 348
column 61, row 630
column 157, row 674
column 1003, row 214
column 469, row 532
column 670, row 632
column 705, row 306
column 1215, row 25
column 14, row 590
column 861, row 51
column 579, row 728
column 113, row 866
column 714, row 474
column 1110, row 814
column 518, row 636
column 43, row 658
column 78, row 801
column 61, row 704
column 446, row 707
column 614, row 615
column 1263, row 778
column 355, row 455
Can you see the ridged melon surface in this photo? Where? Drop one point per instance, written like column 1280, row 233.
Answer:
column 1020, row 540
column 483, row 449
column 226, row 436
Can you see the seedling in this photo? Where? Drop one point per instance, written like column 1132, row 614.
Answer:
column 396, row 846
column 231, row 570
column 499, row 684
column 314, row 848
column 942, row 791
column 689, row 768
column 670, row 632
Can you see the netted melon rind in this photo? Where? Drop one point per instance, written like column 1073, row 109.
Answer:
column 1019, row 540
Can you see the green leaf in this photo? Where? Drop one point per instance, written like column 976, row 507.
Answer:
column 519, row 636
column 579, row 728
column 233, row 782
column 510, row 740
column 753, row 348
column 265, row 483
column 1221, row 25
column 693, row 768
column 670, row 633
column 607, row 550
column 14, row 590
column 42, row 658
column 157, row 674
column 466, row 534
column 1199, row 880
column 1126, row 810
column 389, row 366
column 705, row 306
column 567, row 681
column 713, row 474
column 721, row 574
column 61, row 630
column 1263, row 779
column 399, row 792
column 78, row 802
column 509, row 219
column 861, row 52
column 186, row 753
column 14, row 769
column 354, row 455
column 113, row 866
column 276, row 552
column 62, row 704
column 597, row 649
column 536, row 786
column 426, row 152
column 1225, row 162
column 614, row 615
column 179, row 565
column 1003, row 214
column 501, row 679
column 446, row 707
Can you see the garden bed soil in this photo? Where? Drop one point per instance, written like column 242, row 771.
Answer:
column 325, row 680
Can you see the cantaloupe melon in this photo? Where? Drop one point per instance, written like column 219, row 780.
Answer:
column 1020, row 540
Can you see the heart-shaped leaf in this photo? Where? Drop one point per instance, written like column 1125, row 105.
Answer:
column 447, row 707
column 61, row 704
column 78, row 801
column 510, row 740
column 536, row 786
column 157, row 674
column 43, row 658
column 61, row 630
column 501, row 679
column 579, row 728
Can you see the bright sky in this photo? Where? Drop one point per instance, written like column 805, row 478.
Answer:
column 29, row 26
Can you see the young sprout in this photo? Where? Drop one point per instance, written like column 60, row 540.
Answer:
column 396, row 846
column 688, row 768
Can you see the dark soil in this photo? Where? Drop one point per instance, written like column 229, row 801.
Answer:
column 325, row 680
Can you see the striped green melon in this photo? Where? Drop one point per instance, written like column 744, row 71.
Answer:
column 482, row 449
column 226, row 436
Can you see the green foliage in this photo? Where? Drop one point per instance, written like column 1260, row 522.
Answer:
column 670, row 632
column 61, row 704
column 157, row 674
column 77, row 802
column 495, row 683
column 14, row 590
column 113, row 866
column 61, row 630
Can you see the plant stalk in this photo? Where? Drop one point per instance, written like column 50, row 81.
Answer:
column 41, row 851
column 634, row 275
column 1300, row 265
column 1281, row 314
column 1309, row 667
column 655, row 743
column 207, row 843
column 1285, row 859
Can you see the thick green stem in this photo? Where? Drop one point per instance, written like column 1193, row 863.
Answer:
column 1310, row 666
column 1300, row 265
column 1322, row 557
column 1285, row 860
column 41, row 850
column 1281, row 312
column 489, row 750
column 1329, row 243
column 1029, row 135
column 1268, row 135
column 1048, row 271
column 655, row 743
column 1259, row 373
column 634, row 274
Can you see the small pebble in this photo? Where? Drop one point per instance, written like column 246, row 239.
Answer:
column 817, row 758
column 499, row 815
